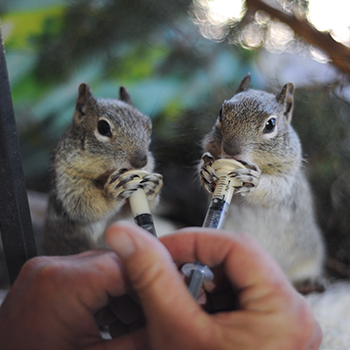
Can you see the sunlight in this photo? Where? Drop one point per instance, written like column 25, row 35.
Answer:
column 221, row 11
column 213, row 16
column 332, row 16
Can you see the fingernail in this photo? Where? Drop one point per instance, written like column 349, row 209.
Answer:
column 122, row 244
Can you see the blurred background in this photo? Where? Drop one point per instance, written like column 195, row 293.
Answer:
column 180, row 59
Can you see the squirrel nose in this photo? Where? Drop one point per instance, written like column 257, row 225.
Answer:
column 231, row 147
column 138, row 160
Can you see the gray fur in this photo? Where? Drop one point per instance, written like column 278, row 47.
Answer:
column 86, row 165
column 275, row 203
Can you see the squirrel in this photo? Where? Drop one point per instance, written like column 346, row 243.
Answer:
column 106, row 138
column 275, row 203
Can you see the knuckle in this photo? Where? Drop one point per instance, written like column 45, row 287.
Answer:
column 44, row 269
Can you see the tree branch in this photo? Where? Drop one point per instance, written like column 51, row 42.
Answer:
column 338, row 53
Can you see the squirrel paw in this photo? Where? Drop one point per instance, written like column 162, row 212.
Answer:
column 117, row 185
column 207, row 173
column 122, row 184
column 151, row 184
column 249, row 175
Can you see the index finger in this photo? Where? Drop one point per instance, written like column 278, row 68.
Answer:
column 244, row 261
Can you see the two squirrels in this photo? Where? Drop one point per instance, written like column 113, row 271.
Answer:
column 274, row 204
column 106, row 138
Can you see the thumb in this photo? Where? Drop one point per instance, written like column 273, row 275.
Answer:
column 154, row 276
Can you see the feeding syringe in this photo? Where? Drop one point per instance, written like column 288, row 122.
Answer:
column 215, row 217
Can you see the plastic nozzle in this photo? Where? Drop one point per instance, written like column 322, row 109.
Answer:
column 226, row 184
column 139, row 204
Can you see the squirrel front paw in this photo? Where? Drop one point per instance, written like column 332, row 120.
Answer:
column 122, row 183
column 152, row 185
column 208, row 175
column 249, row 176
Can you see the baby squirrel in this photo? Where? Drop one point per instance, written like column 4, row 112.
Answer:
column 275, row 203
column 106, row 138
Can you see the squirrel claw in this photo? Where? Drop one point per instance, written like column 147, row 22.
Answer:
column 208, row 177
column 152, row 185
column 208, row 186
column 208, row 158
column 123, row 186
column 249, row 176
column 115, row 175
column 207, row 173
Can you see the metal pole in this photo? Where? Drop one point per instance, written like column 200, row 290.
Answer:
column 15, row 221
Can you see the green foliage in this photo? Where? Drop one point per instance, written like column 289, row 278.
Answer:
column 94, row 28
column 23, row 26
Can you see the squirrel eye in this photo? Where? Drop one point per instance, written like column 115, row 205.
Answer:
column 270, row 126
column 220, row 115
column 104, row 128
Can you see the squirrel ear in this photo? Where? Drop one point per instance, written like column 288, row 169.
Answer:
column 285, row 99
column 85, row 94
column 124, row 95
column 244, row 85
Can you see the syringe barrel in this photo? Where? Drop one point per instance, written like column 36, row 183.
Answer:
column 140, row 207
column 223, row 192
column 216, row 214
column 215, row 218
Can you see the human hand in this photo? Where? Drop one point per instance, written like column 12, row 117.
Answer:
column 52, row 304
column 271, row 315
column 54, row 300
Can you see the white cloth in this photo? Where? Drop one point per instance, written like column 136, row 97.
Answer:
column 332, row 310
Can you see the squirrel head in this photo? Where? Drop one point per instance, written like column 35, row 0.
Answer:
column 109, row 133
column 254, row 126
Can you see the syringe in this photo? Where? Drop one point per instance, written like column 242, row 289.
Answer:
column 139, row 204
column 223, row 192
column 215, row 218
